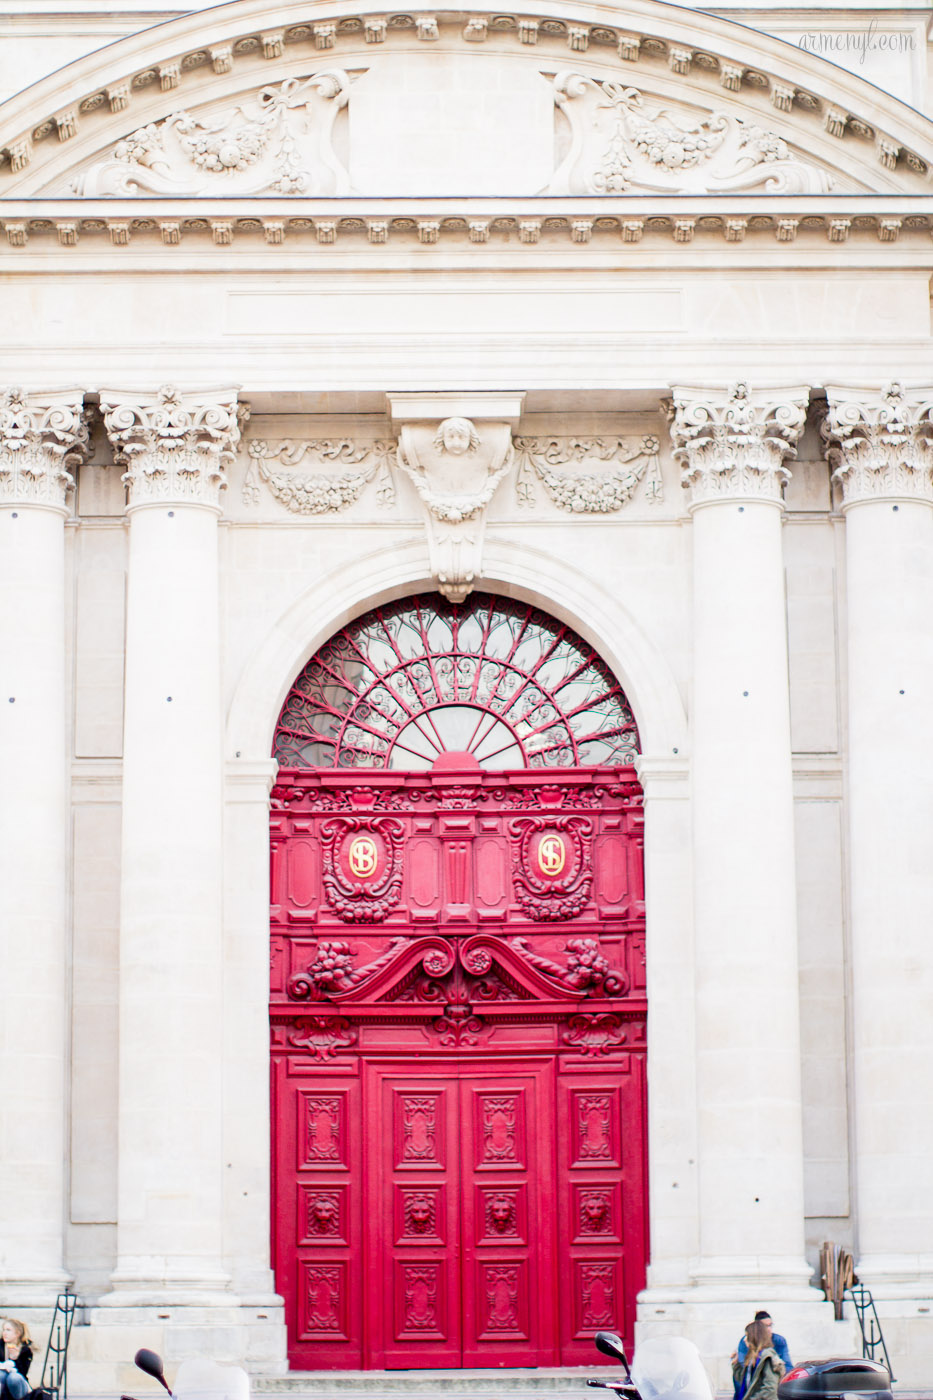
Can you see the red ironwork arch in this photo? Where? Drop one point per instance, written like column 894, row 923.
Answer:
column 413, row 680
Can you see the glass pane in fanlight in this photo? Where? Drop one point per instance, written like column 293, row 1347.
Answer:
column 444, row 695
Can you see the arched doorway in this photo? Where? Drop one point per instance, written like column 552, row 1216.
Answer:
column 457, row 994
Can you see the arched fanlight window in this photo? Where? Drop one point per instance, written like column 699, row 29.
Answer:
column 419, row 678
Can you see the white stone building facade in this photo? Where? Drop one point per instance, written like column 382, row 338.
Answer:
column 673, row 267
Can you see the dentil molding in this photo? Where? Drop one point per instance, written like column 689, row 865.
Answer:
column 175, row 446
column 880, row 443
column 733, row 443
column 42, row 434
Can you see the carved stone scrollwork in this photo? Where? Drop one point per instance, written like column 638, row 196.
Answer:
column 588, row 476
column 41, row 436
column 324, row 490
column 552, row 869
column 175, row 446
column 880, row 444
column 733, row 443
column 277, row 143
column 455, row 466
column 621, row 146
column 362, row 866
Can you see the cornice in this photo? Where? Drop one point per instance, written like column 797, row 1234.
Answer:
column 685, row 44
column 313, row 226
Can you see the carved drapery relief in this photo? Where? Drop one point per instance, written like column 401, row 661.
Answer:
column 455, row 466
column 41, row 436
column 175, row 446
column 620, row 145
column 278, row 143
column 733, row 443
column 343, row 469
column 588, row 476
column 880, row 444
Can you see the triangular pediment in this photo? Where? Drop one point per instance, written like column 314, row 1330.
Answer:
column 580, row 100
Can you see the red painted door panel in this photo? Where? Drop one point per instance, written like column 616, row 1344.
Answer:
column 318, row 1212
column 507, row 1225
column 602, row 1202
column 411, row 1265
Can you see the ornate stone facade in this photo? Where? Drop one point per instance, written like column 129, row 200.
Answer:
column 458, row 263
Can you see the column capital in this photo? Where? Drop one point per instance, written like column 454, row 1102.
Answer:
column 732, row 442
column 880, row 442
column 174, row 445
column 42, row 434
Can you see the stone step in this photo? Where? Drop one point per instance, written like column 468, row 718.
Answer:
column 565, row 1383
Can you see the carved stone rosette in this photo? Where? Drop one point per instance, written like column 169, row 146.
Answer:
column 880, row 444
column 175, row 446
column 455, row 466
column 733, row 443
column 41, row 436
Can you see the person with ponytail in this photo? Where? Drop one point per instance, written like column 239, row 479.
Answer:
column 15, row 1359
column 756, row 1376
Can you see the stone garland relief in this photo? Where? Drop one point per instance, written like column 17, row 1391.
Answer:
column 456, row 467
column 280, row 142
column 581, row 475
column 588, row 475
column 318, row 492
column 620, row 145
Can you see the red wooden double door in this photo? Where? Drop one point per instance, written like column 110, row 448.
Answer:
column 458, row 1211
column 458, row 1046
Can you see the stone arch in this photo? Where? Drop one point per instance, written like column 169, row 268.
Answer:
column 524, row 573
column 872, row 142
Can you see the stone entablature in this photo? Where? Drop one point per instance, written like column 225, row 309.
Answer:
column 820, row 224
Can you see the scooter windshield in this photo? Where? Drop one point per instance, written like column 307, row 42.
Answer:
column 669, row 1368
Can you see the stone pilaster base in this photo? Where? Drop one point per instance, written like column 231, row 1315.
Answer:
column 248, row 1333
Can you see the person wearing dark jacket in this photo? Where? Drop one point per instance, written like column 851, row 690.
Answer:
column 756, row 1378
column 15, row 1359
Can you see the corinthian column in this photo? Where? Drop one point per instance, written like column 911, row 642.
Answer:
column 733, row 446
column 881, row 445
column 41, row 435
column 175, row 448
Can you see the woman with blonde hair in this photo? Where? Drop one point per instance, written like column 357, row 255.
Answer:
column 757, row 1376
column 15, row 1359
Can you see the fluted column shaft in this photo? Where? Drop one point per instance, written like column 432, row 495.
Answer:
column 881, row 446
column 170, row 1227
column 732, row 447
column 40, row 436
